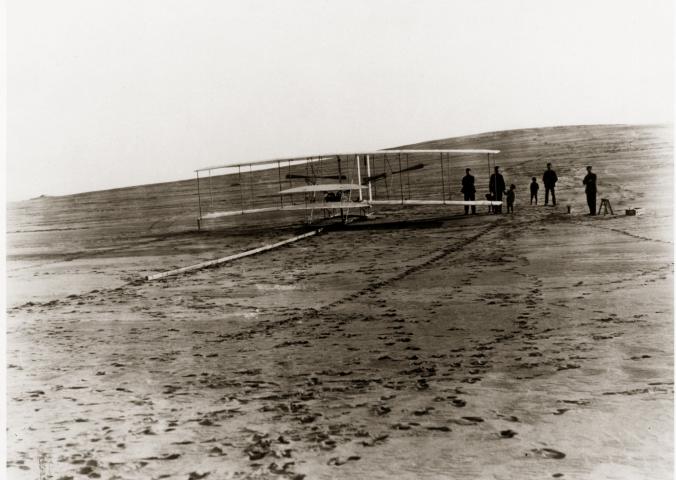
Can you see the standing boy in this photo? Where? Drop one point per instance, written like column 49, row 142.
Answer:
column 534, row 187
column 511, row 195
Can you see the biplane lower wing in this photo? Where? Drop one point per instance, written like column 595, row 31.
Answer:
column 435, row 202
column 325, row 187
column 347, row 206
column 289, row 208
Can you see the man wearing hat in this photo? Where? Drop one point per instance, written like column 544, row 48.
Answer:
column 549, row 178
column 468, row 190
column 589, row 183
column 497, row 188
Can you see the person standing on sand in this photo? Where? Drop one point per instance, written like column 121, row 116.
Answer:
column 549, row 178
column 589, row 183
column 468, row 190
column 534, row 187
column 511, row 195
column 489, row 197
column 497, row 188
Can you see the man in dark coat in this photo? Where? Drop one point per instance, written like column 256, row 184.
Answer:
column 589, row 183
column 549, row 178
column 497, row 188
column 468, row 190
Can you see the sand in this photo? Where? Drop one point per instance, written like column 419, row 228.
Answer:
column 422, row 344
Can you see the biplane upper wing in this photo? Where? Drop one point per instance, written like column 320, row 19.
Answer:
column 325, row 156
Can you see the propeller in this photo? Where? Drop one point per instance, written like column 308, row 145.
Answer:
column 380, row 176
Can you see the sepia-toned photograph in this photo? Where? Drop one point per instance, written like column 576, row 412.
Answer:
column 339, row 240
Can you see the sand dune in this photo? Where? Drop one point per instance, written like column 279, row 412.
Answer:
column 423, row 345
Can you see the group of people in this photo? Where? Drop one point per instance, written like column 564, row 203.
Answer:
column 497, row 188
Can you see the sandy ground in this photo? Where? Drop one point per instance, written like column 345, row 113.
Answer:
column 533, row 345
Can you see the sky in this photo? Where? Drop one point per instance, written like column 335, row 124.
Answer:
column 104, row 94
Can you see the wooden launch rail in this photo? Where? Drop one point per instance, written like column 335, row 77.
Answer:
column 218, row 261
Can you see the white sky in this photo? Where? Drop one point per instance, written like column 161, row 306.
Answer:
column 123, row 92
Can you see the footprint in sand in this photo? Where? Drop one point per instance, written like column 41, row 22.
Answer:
column 467, row 420
column 170, row 456
column 422, row 384
column 381, row 410
column 474, row 419
column 375, row 440
column 509, row 418
column 548, row 453
column 197, row 476
column 576, row 402
column 462, row 421
column 337, row 461
column 423, row 411
column 284, row 470
column 442, row 428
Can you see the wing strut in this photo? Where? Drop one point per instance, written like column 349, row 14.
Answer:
column 359, row 177
column 386, row 165
column 408, row 178
column 279, row 183
column 251, row 186
column 443, row 182
column 241, row 193
column 199, row 203
column 211, row 193
column 368, row 174
column 488, row 164
column 401, row 180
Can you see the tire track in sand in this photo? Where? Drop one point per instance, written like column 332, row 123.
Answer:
column 441, row 254
column 633, row 235
column 371, row 287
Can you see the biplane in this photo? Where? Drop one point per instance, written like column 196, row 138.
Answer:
column 336, row 184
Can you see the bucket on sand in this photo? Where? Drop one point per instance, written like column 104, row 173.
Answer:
column 632, row 212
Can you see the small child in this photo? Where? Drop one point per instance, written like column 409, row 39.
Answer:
column 489, row 197
column 534, row 187
column 510, row 198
